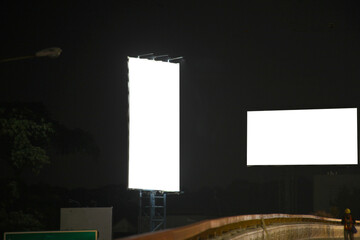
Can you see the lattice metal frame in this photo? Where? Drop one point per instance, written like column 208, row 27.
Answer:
column 152, row 211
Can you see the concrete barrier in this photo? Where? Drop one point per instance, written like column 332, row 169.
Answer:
column 289, row 231
column 253, row 227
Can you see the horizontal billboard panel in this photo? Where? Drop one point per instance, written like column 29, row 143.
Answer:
column 302, row 137
column 154, row 125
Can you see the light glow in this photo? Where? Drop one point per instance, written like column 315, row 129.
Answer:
column 302, row 137
column 154, row 125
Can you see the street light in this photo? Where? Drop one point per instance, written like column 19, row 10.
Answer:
column 53, row 52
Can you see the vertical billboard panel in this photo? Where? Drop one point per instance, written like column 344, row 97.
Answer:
column 154, row 125
column 302, row 137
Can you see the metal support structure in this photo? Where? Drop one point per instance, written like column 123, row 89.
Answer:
column 140, row 213
column 288, row 194
column 152, row 211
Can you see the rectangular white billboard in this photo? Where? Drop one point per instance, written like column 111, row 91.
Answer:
column 302, row 137
column 154, row 125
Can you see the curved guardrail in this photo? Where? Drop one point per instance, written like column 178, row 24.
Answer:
column 246, row 227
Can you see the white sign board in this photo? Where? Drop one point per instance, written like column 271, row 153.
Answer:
column 154, row 125
column 302, row 137
column 99, row 218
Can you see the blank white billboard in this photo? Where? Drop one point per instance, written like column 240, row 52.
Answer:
column 302, row 137
column 154, row 125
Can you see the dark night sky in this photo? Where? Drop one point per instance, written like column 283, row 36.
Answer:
column 239, row 56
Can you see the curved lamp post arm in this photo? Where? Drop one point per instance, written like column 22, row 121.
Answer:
column 48, row 52
column 15, row 59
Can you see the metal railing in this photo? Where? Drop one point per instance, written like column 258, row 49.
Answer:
column 268, row 226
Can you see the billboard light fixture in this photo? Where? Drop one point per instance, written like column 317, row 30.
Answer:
column 165, row 57
column 174, row 59
column 159, row 56
column 146, row 55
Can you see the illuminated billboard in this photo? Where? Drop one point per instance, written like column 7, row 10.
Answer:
column 154, row 125
column 302, row 137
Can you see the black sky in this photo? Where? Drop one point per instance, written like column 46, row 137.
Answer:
column 239, row 56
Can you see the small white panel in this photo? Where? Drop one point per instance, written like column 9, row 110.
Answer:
column 88, row 219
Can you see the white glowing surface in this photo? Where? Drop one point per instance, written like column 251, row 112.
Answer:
column 154, row 125
column 302, row 137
